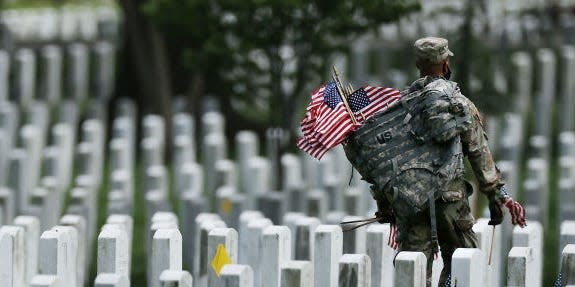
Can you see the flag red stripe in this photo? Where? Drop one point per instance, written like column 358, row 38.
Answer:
column 323, row 127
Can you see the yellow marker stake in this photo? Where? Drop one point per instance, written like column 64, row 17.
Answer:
column 226, row 206
column 221, row 259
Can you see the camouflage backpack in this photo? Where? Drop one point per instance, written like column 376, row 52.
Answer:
column 418, row 132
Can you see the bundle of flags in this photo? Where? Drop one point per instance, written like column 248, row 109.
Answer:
column 331, row 116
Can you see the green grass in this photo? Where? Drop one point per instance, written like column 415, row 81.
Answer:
column 139, row 256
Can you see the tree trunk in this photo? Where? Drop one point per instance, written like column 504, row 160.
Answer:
column 146, row 76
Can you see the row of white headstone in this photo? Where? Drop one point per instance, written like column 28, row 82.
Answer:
column 301, row 253
column 41, row 77
column 52, row 24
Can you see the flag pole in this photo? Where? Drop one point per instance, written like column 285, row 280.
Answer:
column 491, row 248
column 343, row 96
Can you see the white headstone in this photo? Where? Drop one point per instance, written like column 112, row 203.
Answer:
column 289, row 219
column 212, row 122
column 189, row 178
column 220, row 240
column 381, row 255
column 45, row 281
column 52, row 258
column 214, row 149
column 305, row 238
column 297, row 274
column 25, row 62
column 317, row 203
column 191, row 204
column 292, row 171
column 119, row 154
column 4, row 75
column 31, row 227
column 125, row 223
column 12, row 256
column 567, row 234
column 259, row 175
column 243, row 234
column 255, row 229
column 567, row 93
column 467, row 268
column 166, row 253
column 520, row 266
column 78, row 66
column 52, row 76
column 111, row 280
column 354, row 242
column 175, row 278
column 521, row 62
column 226, row 174
column 531, row 236
column 355, row 270
column 44, row 205
column 17, row 165
column 272, row 204
column 202, row 255
column 79, row 223
column 113, row 248
column 63, row 135
column 237, row 276
column 546, row 61
column 71, row 254
column 230, row 204
column 183, row 151
column 410, row 269
column 568, row 265
column 328, row 251
column 192, row 221
column 485, row 233
column 7, row 207
column 247, row 146
column 276, row 245
column 105, row 69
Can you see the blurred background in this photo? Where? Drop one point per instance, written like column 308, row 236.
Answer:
column 255, row 61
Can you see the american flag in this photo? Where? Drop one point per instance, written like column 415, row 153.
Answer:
column 327, row 122
column 558, row 281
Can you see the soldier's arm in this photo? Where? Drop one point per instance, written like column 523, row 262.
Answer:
column 476, row 148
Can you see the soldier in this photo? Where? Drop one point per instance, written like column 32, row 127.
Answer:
column 412, row 154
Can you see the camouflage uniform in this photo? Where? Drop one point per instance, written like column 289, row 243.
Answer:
column 415, row 158
column 454, row 220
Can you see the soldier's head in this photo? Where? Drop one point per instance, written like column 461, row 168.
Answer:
column 432, row 57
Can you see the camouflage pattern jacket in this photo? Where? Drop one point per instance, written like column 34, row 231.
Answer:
column 421, row 140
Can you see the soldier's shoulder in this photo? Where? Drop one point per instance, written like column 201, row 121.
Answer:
column 441, row 85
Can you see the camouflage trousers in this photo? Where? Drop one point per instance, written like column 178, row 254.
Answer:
column 454, row 230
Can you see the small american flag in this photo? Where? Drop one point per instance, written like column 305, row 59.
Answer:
column 558, row 281
column 327, row 121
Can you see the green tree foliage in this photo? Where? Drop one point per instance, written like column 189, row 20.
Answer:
column 262, row 57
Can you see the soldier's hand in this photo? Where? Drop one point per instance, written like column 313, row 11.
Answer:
column 496, row 212
column 385, row 216
column 517, row 212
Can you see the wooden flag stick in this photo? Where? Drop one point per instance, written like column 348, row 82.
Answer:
column 343, row 96
column 349, row 89
column 491, row 248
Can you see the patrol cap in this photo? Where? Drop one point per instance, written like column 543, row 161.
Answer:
column 432, row 49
